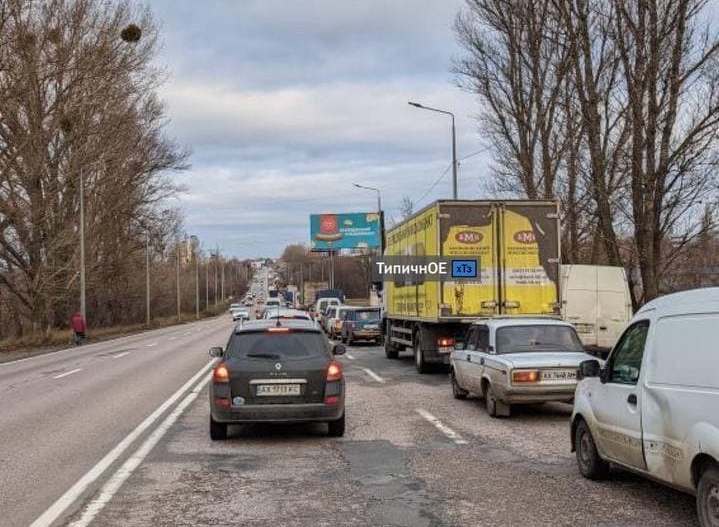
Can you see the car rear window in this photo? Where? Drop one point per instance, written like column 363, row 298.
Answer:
column 268, row 345
column 517, row 339
column 366, row 314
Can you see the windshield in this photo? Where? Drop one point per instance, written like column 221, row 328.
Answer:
column 295, row 344
column 363, row 315
column 517, row 339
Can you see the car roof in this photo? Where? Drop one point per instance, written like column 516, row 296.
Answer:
column 262, row 324
column 700, row 300
column 498, row 322
column 360, row 308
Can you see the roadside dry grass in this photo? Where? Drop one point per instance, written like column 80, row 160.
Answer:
column 47, row 342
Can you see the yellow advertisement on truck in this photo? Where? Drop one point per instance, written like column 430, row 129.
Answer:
column 517, row 248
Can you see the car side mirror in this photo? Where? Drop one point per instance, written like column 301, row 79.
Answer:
column 588, row 368
column 216, row 352
column 459, row 346
column 604, row 374
column 338, row 349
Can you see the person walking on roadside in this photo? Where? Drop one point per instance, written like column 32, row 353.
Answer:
column 77, row 323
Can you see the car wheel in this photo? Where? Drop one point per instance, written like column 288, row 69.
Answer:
column 389, row 350
column 218, row 431
column 457, row 391
column 708, row 497
column 490, row 401
column 591, row 465
column 336, row 428
column 419, row 362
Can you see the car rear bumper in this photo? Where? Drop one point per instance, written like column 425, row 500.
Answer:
column 277, row 413
column 535, row 394
column 366, row 334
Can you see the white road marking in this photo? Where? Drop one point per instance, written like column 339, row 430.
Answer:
column 125, row 471
column 67, row 373
column 120, row 355
column 439, row 425
column 151, row 345
column 350, row 357
column 372, row 374
column 73, row 493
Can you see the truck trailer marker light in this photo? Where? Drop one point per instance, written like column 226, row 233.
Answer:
column 525, row 376
column 445, row 342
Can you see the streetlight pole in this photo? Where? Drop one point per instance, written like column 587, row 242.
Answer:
column 177, row 270
column 83, row 307
column 379, row 211
column 147, row 276
column 454, row 142
column 197, row 276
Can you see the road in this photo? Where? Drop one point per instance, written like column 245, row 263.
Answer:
column 412, row 455
column 63, row 411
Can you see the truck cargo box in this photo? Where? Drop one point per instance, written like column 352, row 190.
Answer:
column 516, row 243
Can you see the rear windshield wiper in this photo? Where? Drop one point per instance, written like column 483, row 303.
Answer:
column 263, row 355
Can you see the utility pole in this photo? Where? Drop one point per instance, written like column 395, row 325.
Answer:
column 195, row 253
column 217, row 263
column 177, row 279
column 83, row 307
column 223, row 282
column 207, row 285
column 147, row 277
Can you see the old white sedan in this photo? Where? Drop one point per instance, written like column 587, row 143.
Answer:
column 517, row 361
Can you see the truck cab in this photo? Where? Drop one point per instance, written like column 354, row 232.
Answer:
column 652, row 408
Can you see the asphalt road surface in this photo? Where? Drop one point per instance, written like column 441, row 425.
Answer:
column 411, row 456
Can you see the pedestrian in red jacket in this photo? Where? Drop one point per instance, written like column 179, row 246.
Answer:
column 77, row 323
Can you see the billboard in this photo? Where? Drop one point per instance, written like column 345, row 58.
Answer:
column 353, row 230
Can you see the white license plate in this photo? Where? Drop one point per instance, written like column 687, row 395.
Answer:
column 371, row 326
column 559, row 375
column 278, row 389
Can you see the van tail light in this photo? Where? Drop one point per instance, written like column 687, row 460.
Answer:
column 334, row 371
column 445, row 342
column 525, row 376
column 220, row 374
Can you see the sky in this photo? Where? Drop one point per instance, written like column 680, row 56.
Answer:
column 286, row 103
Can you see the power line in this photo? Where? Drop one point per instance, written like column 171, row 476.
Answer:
column 436, row 182
column 482, row 151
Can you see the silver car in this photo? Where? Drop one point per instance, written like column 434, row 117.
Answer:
column 510, row 361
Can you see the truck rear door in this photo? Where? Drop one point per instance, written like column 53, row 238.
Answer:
column 529, row 258
column 469, row 230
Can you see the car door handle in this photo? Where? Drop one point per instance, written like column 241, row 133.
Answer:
column 632, row 399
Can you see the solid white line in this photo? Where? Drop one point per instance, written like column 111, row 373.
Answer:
column 372, row 374
column 67, row 373
column 151, row 345
column 439, row 425
column 73, row 493
column 350, row 357
column 120, row 355
column 128, row 467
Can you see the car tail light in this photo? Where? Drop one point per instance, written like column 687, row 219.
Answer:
column 280, row 329
column 222, row 402
column 332, row 399
column 445, row 342
column 525, row 376
column 334, row 371
column 220, row 374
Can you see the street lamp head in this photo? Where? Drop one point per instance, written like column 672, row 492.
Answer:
column 415, row 104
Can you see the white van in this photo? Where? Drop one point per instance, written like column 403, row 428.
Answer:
column 596, row 300
column 654, row 407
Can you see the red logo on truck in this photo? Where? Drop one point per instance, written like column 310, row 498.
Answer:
column 468, row 237
column 525, row 237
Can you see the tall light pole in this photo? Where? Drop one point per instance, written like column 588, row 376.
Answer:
column 147, row 276
column 379, row 196
column 454, row 142
column 194, row 241
column 379, row 211
column 177, row 269
column 83, row 307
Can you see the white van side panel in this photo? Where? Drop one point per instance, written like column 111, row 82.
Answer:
column 681, row 395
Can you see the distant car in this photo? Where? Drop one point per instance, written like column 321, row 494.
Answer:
column 328, row 318
column 277, row 374
column 321, row 307
column 240, row 314
column 287, row 314
column 361, row 323
column 335, row 323
column 652, row 408
column 517, row 361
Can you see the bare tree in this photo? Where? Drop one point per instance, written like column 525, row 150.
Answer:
column 406, row 207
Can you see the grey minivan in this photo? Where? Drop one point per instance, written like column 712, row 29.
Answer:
column 277, row 371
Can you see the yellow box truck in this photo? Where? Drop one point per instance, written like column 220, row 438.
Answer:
column 517, row 247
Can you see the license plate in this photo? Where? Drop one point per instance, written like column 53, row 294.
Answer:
column 559, row 375
column 371, row 326
column 278, row 389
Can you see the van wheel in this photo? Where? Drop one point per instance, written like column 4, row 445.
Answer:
column 457, row 391
column 419, row 362
column 708, row 497
column 336, row 428
column 218, row 431
column 590, row 464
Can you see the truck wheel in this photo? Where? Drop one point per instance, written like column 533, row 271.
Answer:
column 218, row 431
column 708, row 497
column 591, row 466
column 389, row 350
column 457, row 391
column 419, row 362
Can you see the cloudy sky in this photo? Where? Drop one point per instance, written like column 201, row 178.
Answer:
column 286, row 103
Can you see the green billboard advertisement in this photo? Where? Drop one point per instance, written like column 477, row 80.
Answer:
column 352, row 230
